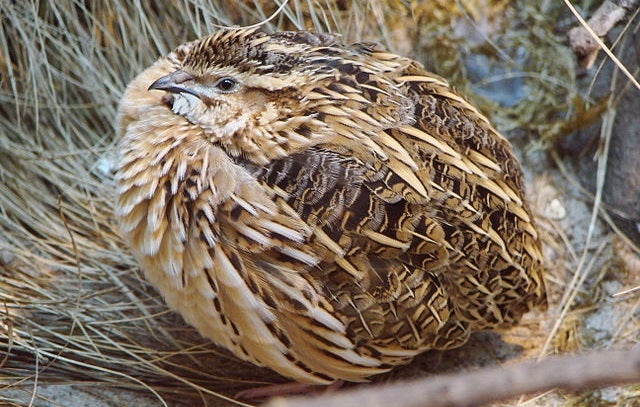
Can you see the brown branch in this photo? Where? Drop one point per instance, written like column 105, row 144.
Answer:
column 584, row 371
column 602, row 20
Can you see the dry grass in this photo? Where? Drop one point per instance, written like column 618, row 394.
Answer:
column 74, row 307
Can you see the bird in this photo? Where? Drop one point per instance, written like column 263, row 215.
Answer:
column 323, row 209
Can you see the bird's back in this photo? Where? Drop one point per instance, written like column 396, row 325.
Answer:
column 433, row 241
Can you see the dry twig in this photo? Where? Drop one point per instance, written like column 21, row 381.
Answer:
column 598, row 369
column 585, row 44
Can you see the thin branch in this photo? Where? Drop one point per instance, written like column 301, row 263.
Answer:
column 585, row 40
column 584, row 371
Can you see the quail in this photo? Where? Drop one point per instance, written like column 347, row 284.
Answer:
column 326, row 210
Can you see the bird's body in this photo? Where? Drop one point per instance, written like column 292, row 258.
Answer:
column 327, row 211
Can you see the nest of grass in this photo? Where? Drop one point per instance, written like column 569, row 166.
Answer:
column 75, row 311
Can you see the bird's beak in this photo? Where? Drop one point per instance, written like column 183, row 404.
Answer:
column 174, row 83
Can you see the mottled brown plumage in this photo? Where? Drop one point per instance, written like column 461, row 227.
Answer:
column 325, row 210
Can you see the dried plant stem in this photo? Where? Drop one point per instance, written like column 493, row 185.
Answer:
column 598, row 369
column 605, row 18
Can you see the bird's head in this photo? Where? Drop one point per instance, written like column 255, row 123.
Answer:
column 246, row 88
column 266, row 95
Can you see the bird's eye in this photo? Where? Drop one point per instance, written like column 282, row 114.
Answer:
column 226, row 85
